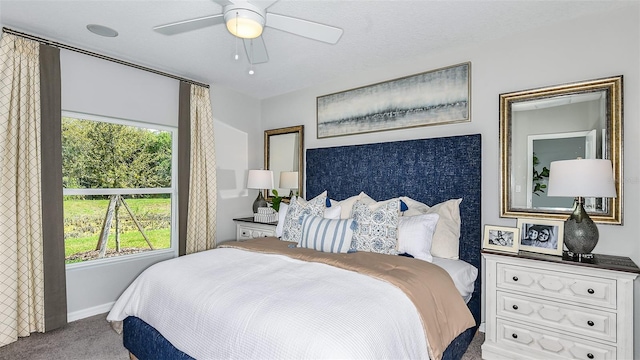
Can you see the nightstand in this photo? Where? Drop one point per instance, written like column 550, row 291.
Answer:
column 247, row 228
column 546, row 307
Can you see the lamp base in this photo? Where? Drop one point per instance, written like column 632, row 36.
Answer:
column 578, row 257
column 580, row 232
column 259, row 202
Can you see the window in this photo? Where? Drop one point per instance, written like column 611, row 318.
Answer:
column 119, row 187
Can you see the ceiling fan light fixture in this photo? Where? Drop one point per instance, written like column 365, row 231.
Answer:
column 244, row 23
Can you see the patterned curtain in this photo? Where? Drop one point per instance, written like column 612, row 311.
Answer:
column 21, row 246
column 201, row 218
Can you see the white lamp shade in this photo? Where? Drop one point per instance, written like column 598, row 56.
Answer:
column 289, row 180
column 581, row 178
column 260, row 179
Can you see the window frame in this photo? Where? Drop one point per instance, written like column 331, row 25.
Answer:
column 173, row 190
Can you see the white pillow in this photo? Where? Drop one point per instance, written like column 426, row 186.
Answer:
column 462, row 273
column 446, row 238
column 292, row 228
column 346, row 205
column 415, row 234
column 326, row 235
column 333, row 212
column 282, row 213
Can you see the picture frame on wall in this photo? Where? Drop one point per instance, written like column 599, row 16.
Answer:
column 439, row 96
column 541, row 236
column 501, row 238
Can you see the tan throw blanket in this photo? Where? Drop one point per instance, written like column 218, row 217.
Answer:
column 443, row 313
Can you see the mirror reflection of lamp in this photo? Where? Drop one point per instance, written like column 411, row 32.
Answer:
column 289, row 180
column 581, row 178
column 260, row 180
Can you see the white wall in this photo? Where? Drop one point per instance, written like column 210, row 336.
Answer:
column 95, row 86
column 239, row 138
column 587, row 48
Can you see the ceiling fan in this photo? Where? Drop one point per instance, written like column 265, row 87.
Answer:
column 247, row 20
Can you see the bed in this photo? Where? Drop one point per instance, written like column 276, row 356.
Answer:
column 430, row 171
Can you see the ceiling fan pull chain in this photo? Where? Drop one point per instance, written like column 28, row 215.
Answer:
column 251, row 72
column 236, row 56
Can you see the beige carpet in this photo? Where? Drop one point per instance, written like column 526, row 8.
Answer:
column 93, row 339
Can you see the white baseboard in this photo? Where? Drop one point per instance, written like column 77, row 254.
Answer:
column 481, row 328
column 85, row 313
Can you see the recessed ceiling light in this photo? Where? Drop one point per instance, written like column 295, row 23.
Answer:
column 102, row 30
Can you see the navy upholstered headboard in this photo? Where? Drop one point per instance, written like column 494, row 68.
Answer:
column 428, row 170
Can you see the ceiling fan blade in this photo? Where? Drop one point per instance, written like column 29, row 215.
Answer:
column 256, row 50
column 305, row 28
column 190, row 25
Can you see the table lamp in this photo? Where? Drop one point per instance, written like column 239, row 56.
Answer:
column 260, row 180
column 581, row 178
column 289, row 180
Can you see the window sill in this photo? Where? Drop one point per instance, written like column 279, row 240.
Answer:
column 122, row 259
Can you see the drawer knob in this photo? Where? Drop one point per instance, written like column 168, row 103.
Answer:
column 590, row 291
column 515, row 307
column 515, row 336
column 590, row 356
column 590, row 323
column 515, row 278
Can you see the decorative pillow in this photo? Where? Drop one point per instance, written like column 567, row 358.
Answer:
column 376, row 229
column 414, row 207
column 347, row 205
column 373, row 204
column 415, row 234
column 282, row 213
column 291, row 230
column 303, row 201
column 326, row 235
column 333, row 212
column 446, row 238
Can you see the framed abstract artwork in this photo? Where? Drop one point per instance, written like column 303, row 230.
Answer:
column 434, row 97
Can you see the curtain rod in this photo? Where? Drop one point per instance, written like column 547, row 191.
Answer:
column 99, row 56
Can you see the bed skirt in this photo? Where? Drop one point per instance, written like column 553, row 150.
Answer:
column 145, row 342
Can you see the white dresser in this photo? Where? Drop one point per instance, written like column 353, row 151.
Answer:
column 543, row 307
column 247, row 229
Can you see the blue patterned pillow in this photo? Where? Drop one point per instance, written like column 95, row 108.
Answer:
column 292, row 228
column 326, row 235
column 377, row 227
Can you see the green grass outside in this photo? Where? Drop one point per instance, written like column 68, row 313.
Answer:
column 83, row 221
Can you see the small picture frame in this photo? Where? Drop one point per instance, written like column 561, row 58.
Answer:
column 501, row 238
column 541, row 236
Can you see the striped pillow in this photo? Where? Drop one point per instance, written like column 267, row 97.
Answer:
column 326, row 235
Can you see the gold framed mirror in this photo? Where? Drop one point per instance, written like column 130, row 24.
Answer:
column 284, row 155
column 561, row 122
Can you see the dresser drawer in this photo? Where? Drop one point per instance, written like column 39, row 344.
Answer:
column 574, row 288
column 548, row 314
column 545, row 344
column 249, row 233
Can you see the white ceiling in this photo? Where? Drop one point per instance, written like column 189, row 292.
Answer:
column 375, row 33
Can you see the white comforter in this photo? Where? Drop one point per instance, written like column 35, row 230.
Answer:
column 230, row 303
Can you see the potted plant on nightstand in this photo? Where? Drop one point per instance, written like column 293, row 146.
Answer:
column 276, row 200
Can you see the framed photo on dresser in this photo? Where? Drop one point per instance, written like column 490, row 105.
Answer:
column 501, row 238
column 541, row 236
